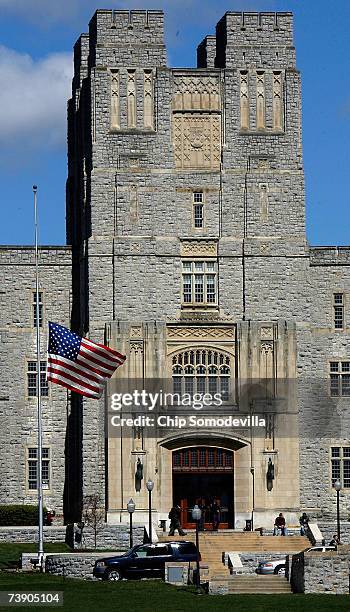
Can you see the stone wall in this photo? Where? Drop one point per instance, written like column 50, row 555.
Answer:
column 327, row 573
column 18, row 411
column 74, row 565
column 30, row 534
column 109, row 536
column 328, row 529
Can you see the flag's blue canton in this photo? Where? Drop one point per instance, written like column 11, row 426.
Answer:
column 63, row 342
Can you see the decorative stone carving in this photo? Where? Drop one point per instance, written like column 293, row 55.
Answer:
column 264, row 201
column 148, row 115
column 198, row 248
column 263, row 164
column 201, row 333
column 266, row 347
column 135, row 331
column 134, row 162
column 136, row 346
column 196, row 93
column 277, row 109
column 131, row 98
column 115, row 100
column 244, row 100
column 264, row 248
column 260, row 100
column 197, row 141
column 266, row 333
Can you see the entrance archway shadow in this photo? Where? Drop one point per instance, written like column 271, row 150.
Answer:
column 204, row 438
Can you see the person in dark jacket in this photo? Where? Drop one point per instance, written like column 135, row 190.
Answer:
column 175, row 524
column 280, row 525
column 304, row 523
column 215, row 514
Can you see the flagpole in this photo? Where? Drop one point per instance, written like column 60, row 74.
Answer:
column 38, row 391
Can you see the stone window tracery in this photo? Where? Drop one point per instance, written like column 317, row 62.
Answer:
column 201, row 371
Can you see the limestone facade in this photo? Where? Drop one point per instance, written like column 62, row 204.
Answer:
column 186, row 220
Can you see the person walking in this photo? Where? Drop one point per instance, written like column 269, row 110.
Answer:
column 175, row 523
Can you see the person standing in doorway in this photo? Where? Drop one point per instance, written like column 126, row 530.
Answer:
column 215, row 514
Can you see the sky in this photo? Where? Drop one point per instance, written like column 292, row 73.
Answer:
column 36, row 41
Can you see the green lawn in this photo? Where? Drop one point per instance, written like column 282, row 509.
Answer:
column 151, row 596
column 10, row 553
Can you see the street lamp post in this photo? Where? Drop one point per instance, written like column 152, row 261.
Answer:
column 337, row 486
column 131, row 509
column 150, row 485
column 196, row 515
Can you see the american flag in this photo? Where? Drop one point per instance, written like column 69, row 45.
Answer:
column 79, row 364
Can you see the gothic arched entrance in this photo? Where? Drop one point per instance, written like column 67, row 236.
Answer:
column 202, row 474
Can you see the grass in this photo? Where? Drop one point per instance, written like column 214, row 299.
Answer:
column 10, row 553
column 155, row 595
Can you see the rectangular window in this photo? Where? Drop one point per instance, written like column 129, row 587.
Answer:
column 199, row 282
column 338, row 309
column 198, row 209
column 340, row 465
column 32, row 471
column 32, row 381
column 40, row 309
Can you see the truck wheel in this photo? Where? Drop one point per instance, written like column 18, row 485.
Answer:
column 280, row 570
column 113, row 575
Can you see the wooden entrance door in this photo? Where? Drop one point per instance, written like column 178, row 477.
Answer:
column 200, row 476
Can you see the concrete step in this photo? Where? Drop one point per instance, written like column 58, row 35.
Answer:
column 255, row 584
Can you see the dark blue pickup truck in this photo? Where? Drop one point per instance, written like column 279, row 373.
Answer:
column 144, row 561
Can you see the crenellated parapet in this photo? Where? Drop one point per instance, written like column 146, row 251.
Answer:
column 127, row 38
column 255, row 39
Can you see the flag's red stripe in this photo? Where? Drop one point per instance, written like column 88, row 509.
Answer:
column 71, row 388
column 63, row 364
column 99, row 363
column 107, row 348
column 90, row 367
column 73, row 379
column 110, row 361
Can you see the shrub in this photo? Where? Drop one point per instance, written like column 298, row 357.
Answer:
column 18, row 515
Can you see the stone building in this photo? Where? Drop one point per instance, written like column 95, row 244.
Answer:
column 188, row 251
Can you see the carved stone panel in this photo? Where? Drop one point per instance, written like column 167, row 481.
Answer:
column 198, row 248
column 196, row 93
column 260, row 100
column 201, row 333
column 131, row 98
column 277, row 101
column 115, row 100
column 266, row 333
column 244, row 96
column 197, row 141
column 148, row 118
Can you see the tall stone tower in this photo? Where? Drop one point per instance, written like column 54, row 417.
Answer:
column 186, row 217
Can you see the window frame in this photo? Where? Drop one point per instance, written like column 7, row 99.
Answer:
column 338, row 305
column 46, row 461
column 43, row 363
column 340, row 459
column 339, row 375
column 41, row 309
column 196, row 286
column 200, row 203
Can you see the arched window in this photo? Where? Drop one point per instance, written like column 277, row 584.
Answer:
column 201, row 371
